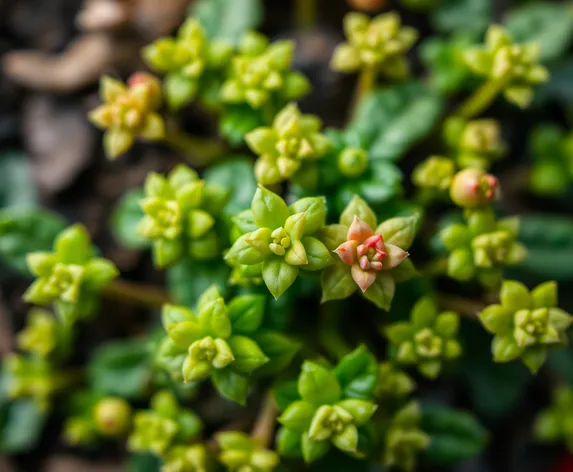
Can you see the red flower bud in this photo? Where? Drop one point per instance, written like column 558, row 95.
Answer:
column 473, row 188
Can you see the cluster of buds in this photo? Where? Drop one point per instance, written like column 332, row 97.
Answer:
column 366, row 257
column 378, row 44
column 185, row 60
column 241, row 453
column 393, row 383
column 164, row 426
column 31, row 377
column 322, row 416
column 129, row 112
column 476, row 143
column 482, row 247
column 180, row 217
column 40, row 335
column 515, row 66
column 282, row 240
column 525, row 323
column 427, row 340
column 473, row 188
column 210, row 340
column 70, row 276
column 293, row 139
column 404, row 439
column 435, row 173
column 555, row 422
column 186, row 458
column 261, row 74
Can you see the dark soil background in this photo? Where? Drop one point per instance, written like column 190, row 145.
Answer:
column 73, row 178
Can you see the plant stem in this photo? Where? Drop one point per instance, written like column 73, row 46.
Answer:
column 482, row 98
column 264, row 427
column 460, row 305
column 137, row 294
column 198, row 152
column 306, row 13
column 365, row 84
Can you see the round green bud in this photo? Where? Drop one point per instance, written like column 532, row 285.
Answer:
column 78, row 431
column 352, row 162
column 112, row 416
column 473, row 188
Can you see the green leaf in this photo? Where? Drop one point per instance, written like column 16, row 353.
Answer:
column 337, row 282
column 399, row 231
column 289, row 443
column 318, row 385
column 125, row 218
column 143, row 462
column 550, row 247
column 550, row 25
column 357, row 373
column 228, row 19
column 392, row 120
column 21, row 426
column 236, row 175
column 298, row 416
column 17, row 188
column 286, row 393
column 188, row 279
column 246, row 312
column 462, row 15
column 280, row 350
column 248, row 354
column 313, row 450
column 315, row 208
column 269, row 209
column 121, row 368
column 455, row 435
column 238, row 120
column 231, row 385
column 278, row 276
column 24, row 231
column 381, row 292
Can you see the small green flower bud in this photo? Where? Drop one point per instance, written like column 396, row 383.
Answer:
column 379, row 43
column 152, row 432
column 241, row 453
column 353, row 162
column 112, row 416
column 473, row 188
column 186, row 458
column 282, row 148
column 427, row 339
column 204, row 356
column 434, row 173
column 393, row 383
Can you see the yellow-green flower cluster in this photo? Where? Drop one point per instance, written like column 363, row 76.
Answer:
column 188, row 62
column 239, row 452
column 482, row 247
column 180, row 211
column 427, row 340
column 525, row 324
column 293, row 139
column 261, row 74
column 40, row 335
column 555, row 423
column 514, row 66
column 128, row 112
column 379, row 44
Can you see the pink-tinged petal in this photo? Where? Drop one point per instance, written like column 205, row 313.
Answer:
column 347, row 252
column 362, row 278
column 362, row 250
column 375, row 241
column 376, row 265
column 364, row 263
column 379, row 256
column 359, row 230
column 395, row 255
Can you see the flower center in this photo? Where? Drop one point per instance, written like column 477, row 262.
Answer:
column 427, row 345
column 369, row 253
column 281, row 241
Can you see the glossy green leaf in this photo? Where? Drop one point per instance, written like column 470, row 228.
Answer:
column 550, row 25
column 24, row 231
column 462, row 15
column 125, row 218
column 231, row 385
column 228, row 19
column 393, row 120
column 21, row 425
column 279, row 348
column 357, row 373
column 454, row 435
column 121, row 368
